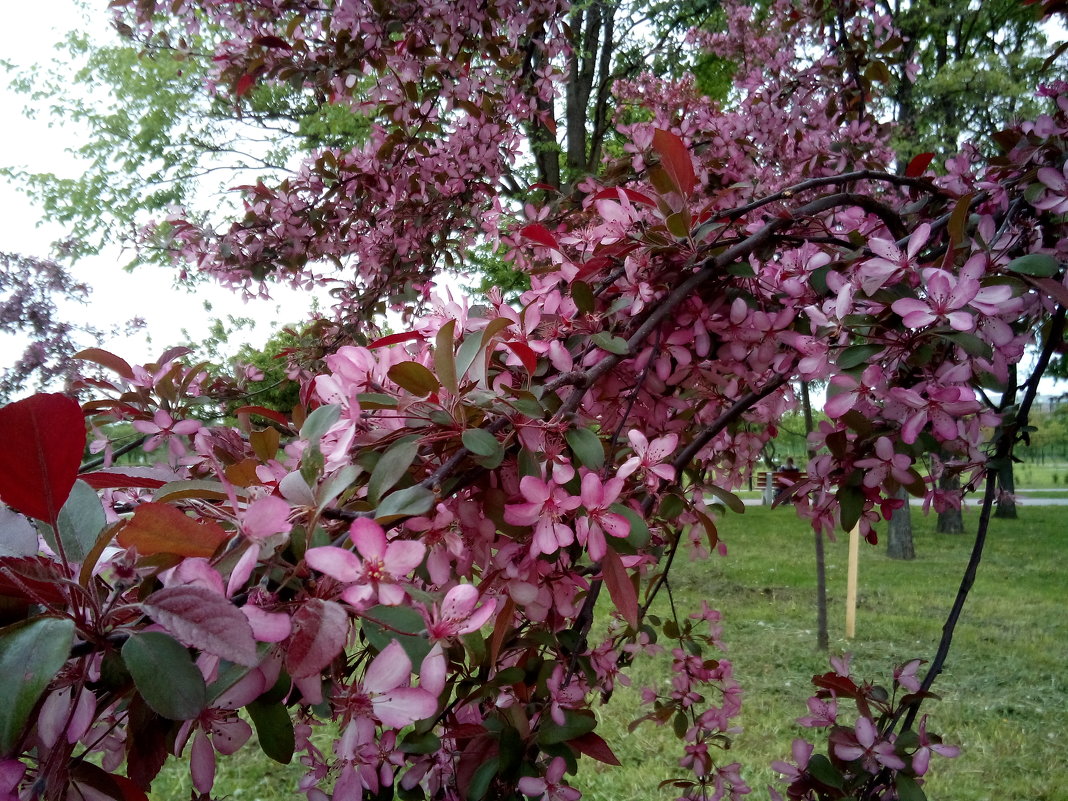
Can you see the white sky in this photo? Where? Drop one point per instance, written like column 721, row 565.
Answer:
column 28, row 37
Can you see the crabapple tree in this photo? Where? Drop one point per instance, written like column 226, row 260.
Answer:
column 451, row 545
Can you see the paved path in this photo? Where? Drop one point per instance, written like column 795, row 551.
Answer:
column 973, row 500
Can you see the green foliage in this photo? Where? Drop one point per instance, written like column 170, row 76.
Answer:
column 980, row 63
column 153, row 138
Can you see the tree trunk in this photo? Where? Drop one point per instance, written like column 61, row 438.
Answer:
column 822, row 636
column 899, row 533
column 950, row 521
column 1006, row 506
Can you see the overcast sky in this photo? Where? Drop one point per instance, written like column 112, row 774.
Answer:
column 27, row 38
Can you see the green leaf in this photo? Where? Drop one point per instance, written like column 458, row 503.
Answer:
column 1036, row 264
column 376, row 400
column 742, row 270
column 823, row 771
column 318, row 422
column 274, row 729
column 481, row 442
column 416, row 743
column 444, row 358
column 586, row 446
column 856, row 355
column 851, row 503
column 32, row 652
column 612, row 344
column 413, row 377
column 165, row 675
column 80, row 522
column 730, row 500
column 970, row 343
column 639, row 531
column 406, row 502
column 383, row 624
column 481, row 779
column 582, row 294
column 576, row 723
column 391, row 467
column 908, row 789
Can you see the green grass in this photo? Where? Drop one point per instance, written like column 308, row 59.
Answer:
column 1005, row 687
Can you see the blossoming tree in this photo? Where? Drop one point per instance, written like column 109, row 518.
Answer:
column 450, row 548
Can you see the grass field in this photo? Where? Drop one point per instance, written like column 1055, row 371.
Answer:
column 1005, row 687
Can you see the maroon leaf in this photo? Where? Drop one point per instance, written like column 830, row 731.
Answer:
column 675, row 159
column 525, row 354
column 593, row 745
column 205, row 620
column 541, row 235
column 272, row 41
column 34, row 580
column 393, row 339
column 43, row 439
column 122, row 477
column 262, row 411
column 106, row 359
column 244, row 83
column 620, row 587
column 918, row 165
column 320, row 631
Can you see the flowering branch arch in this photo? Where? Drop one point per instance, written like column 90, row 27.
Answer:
column 418, row 551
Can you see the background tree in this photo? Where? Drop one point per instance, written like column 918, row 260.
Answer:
column 978, row 66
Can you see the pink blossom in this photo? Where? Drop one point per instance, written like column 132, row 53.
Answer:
column 922, row 758
column 802, row 752
column 650, row 457
column 162, row 428
column 886, row 463
column 864, row 743
column 459, row 613
column 550, row 788
column 597, row 497
column 546, row 504
column 380, row 570
column 890, row 259
column 384, row 694
column 822, row 713
column 1055, row 196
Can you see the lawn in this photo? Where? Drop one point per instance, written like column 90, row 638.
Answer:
column 1005, row 687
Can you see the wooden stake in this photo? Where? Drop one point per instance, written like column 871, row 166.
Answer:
column 851, row 583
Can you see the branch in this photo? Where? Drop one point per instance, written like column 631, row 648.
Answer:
column 1003, row 452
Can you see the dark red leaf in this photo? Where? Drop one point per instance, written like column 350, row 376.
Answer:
column 541, row 235
column 525, row 354
column 43, row 439
column 634, row 196
column 244, row 83
column 675, row 159
column 33, row 579
column 106, row 359
column 204, row 619
column 593, row 745
column 620, row 587
column 121, row 477
column 393, row 339
column 262, row 411
column 320, row 631
column 272, row 41
column 919, row 165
